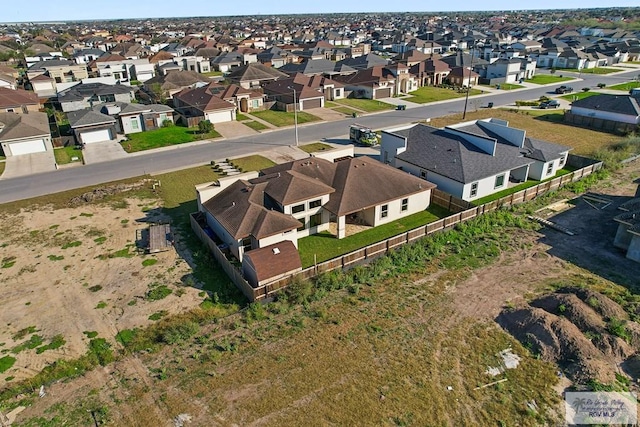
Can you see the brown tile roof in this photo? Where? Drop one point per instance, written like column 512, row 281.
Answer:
column 269, row 262
column 256, row 72
column 370, row 77
column 23, row 125
column 161, row 56
column 111, row 58
column 290, row 187
column 240, row 209
column 202, row 99
column 17, row 98
column 359, row 183
column 177, row 79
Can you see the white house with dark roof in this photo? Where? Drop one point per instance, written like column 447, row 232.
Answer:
column 473, row 159
column 616, row 108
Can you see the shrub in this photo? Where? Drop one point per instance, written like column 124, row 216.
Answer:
column 618, row 328
column 585, row 89
column 205, row 126
column 100, row 349
column 167, row 123
column 158, row 293
column 6, row 363
column 601, row 85
column 179, row 332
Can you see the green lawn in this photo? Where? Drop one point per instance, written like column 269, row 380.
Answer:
column 283, row 118
column 544, row 79
column 599, row 70
column 314, row 147
column 431, row 94
column 251, row 163
column 63, row 155
column 257, row 126
column 625, row 86
column 528, row 184
column 163, row 137
column 241, row 117
column 579, row 95
column 366, row 105
column 330, row 104
column 325, row 246
column 2, row 165
column 509, row 86
column 345, row 110
column 212, row 74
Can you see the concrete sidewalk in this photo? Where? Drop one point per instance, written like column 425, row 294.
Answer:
column 233, row 129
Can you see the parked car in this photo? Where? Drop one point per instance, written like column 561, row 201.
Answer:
column 552, row 103
column 564, row 89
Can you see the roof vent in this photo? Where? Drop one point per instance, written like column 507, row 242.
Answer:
column 276, row 251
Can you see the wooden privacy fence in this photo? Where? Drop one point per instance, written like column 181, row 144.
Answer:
column 463, row 211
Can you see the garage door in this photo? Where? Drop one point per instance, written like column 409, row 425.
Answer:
column 383, row 93
column 28, row 147
column 95, row 136
column 311, row 103
column 220, row 116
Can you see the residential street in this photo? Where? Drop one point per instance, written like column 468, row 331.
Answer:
column 179, row 157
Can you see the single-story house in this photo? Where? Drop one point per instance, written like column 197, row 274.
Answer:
column 200, row 103
column 87, row 95
column 255, row 75
column 18, row 101
column 24, row 133
column 473, row 159
column 165, row 86
column 245, row 100
column 303, row 197
column 372, row 83
column 90, row 127
column 310, row 91
column 134, row 118
column 615, row 108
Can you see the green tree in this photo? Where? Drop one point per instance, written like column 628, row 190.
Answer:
column 205, row 126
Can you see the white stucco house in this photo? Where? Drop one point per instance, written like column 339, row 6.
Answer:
column 473, row 159
column 616, row 108
column 300, row 198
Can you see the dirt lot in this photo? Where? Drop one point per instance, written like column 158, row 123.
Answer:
column 411, row 350
column 70, row 271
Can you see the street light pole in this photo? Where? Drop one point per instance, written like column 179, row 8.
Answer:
column 466, row 98
column 295, row 113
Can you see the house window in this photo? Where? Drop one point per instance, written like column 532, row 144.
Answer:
column 297, row 208
column 423, row 174
column 246, row 244
column 474, row 189
column 315, row 204
column 550, row 168
column 255, row 103
column 563, row 159
column 10, row 110
column 499, row 181
column 303, row 224
column 134, row 124
column 315, row 220
column 405, row 205
column 384, row 211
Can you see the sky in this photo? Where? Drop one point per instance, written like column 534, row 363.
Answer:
column 68, row 10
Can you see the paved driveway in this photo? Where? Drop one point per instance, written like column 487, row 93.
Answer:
column 103, row 152
column 29, row 164
column 233, row 129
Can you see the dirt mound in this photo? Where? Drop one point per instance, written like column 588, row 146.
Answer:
column 558, row 340
column 102, row 192
column 587, row 320
column 601, row 304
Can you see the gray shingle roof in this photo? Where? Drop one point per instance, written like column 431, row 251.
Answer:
column 82, row 91
column 621, row 104
column 13, row 126
column 453, row 156
column 88, row 117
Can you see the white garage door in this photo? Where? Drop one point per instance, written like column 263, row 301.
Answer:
column 220, row 116
column 95, row 136
column 28, row 147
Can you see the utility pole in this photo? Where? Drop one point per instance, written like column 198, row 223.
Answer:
column 466, row 99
